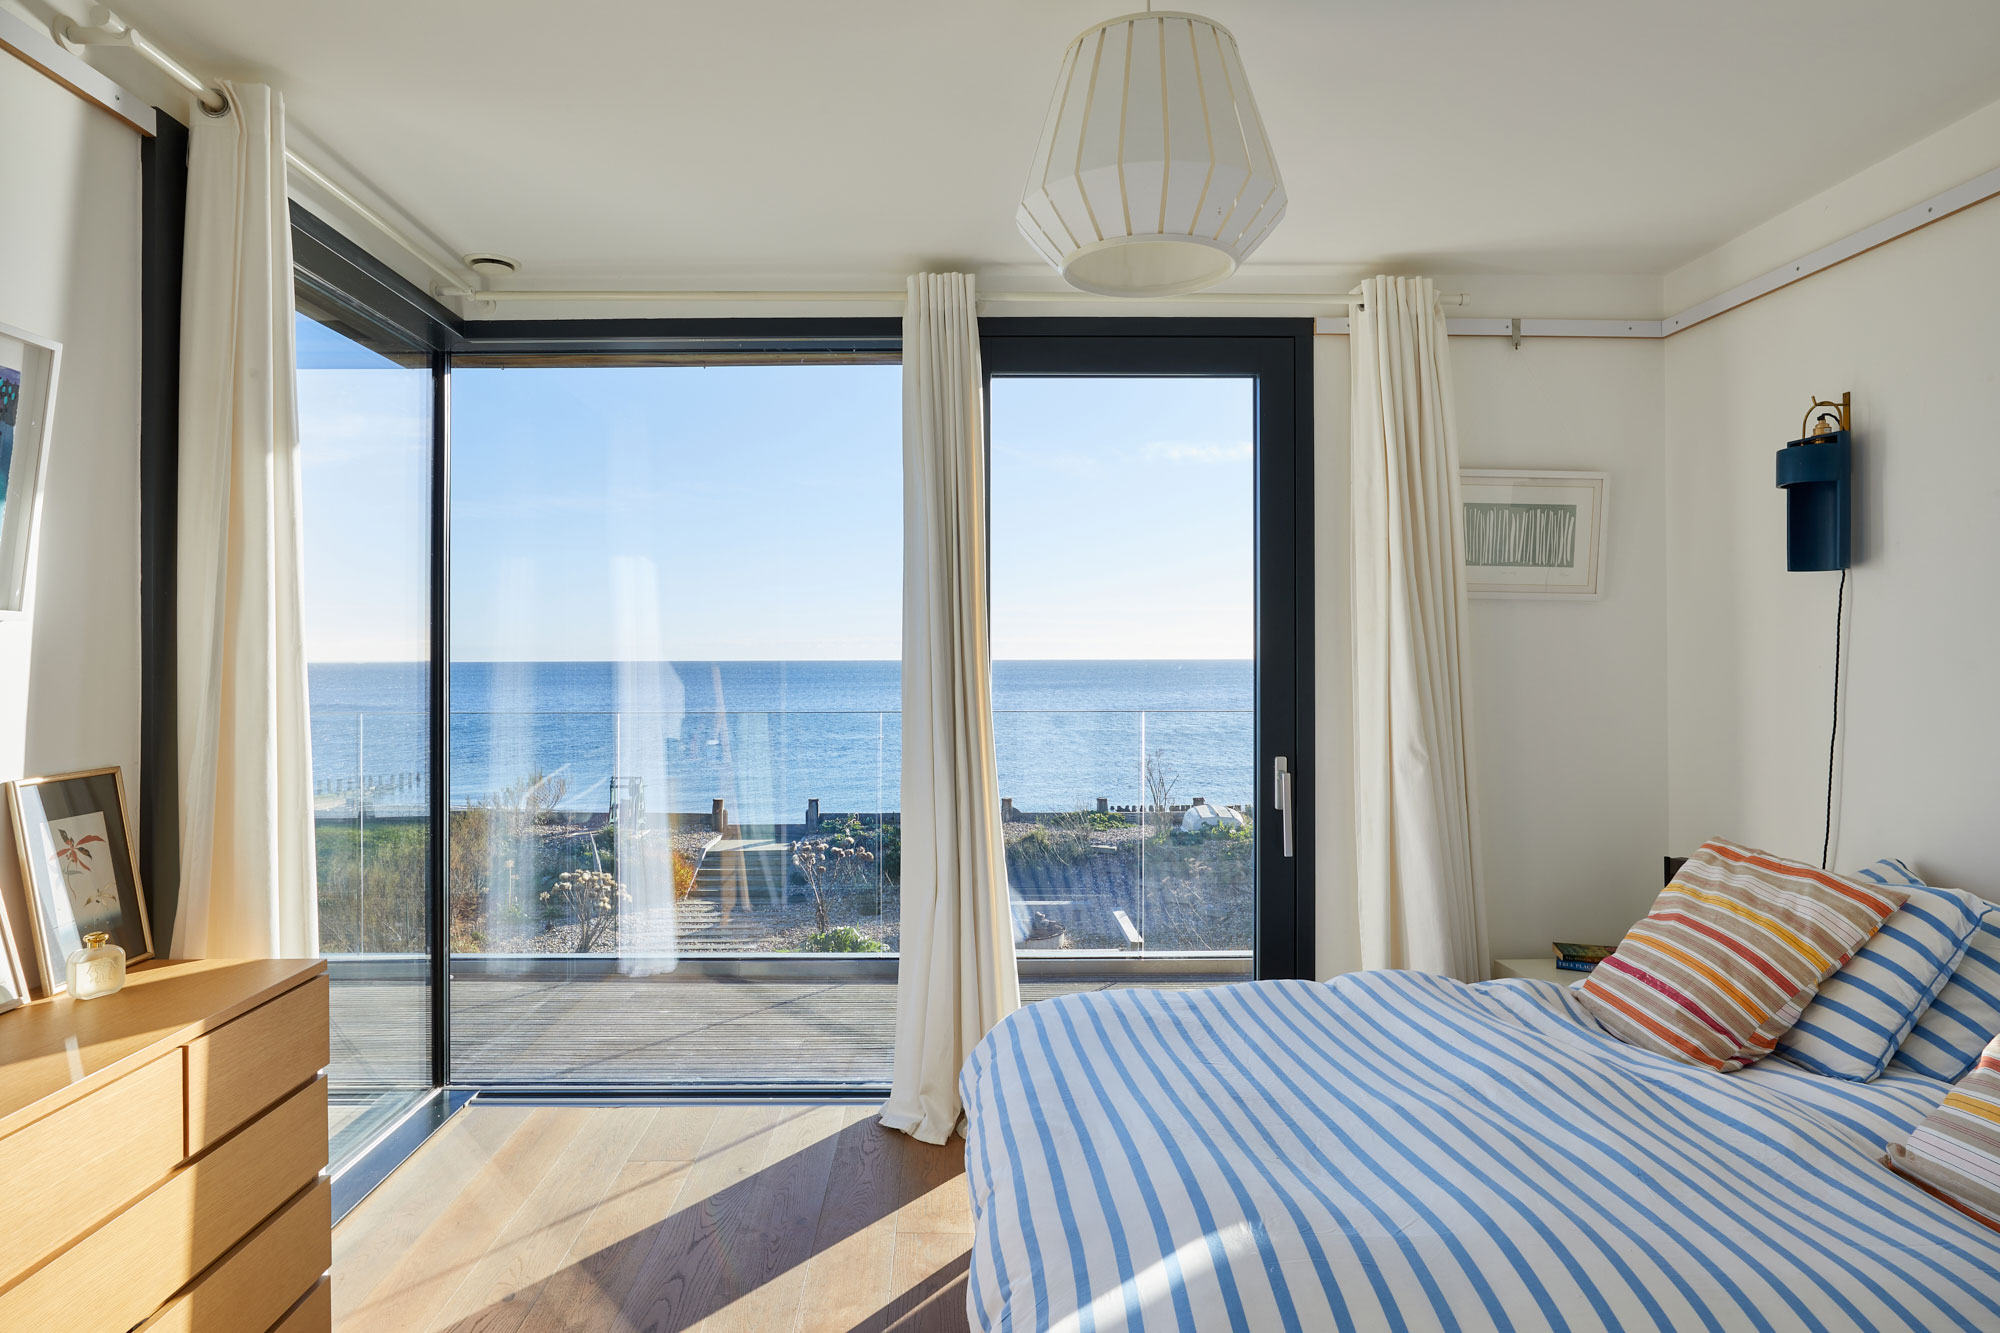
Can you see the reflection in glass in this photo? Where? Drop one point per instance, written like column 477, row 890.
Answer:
column 1123, row 636
column 675, row 693
column 365, row 441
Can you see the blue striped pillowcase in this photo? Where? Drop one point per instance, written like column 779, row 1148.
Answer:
column 1864, row 1011
column 1948, row 1039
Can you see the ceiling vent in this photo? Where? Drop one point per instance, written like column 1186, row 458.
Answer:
column 491, row 266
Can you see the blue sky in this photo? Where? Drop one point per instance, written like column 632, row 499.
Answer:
column 754, row 512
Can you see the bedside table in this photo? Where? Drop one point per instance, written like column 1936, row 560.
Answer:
column 1535, row 969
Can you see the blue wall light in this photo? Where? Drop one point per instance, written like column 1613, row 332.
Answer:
column 1814, row 473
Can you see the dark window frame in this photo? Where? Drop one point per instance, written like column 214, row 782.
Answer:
column 342, row 275
column 1278, row 354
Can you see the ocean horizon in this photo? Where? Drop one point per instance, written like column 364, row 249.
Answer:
column 768, row 736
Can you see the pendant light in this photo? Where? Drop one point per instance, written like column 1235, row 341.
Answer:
column 1154, row 176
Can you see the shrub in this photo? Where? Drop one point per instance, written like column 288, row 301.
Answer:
column 843, row 939
column 591, row 898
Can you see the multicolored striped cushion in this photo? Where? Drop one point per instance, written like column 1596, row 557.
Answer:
column 1955, row 1151
column 1965, row 1015
column 1731, row 953
column 1862, row 1012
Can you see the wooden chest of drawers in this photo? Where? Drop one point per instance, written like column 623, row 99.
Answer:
column 162, row 1151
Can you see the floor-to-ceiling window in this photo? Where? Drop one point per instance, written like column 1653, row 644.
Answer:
column 1124, row 645
column 675, row 706
column 639, row 614
column 364, row 405
column 1152, row 640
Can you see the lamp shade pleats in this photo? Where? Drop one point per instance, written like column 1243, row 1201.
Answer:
column 1154, row 176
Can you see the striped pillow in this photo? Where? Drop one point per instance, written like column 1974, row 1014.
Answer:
column 1730, row 953
column 1954, row 1152
column 1965, row 1016
column 1863, row 1012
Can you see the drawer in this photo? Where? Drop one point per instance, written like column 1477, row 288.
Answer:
column 69, row 1171
column 254, row 1285
column 250, row 1062
column 314, row 1314
column 126, row 1269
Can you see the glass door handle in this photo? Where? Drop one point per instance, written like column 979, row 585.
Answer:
column 1281, row 787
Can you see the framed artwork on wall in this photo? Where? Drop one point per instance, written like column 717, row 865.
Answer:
column 28, row 370
column 78, row 867
column 1534, row 534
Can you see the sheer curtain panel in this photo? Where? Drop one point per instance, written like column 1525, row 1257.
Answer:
column 957, row 977
column 1421, row 903
column 247, row 869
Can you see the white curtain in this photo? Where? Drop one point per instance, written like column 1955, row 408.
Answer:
column 957, row 974
column 247, row 870
column 1421, row 905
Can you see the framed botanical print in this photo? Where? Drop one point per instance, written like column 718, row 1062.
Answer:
column 78, row 867
column 1534, row 534
column 28, row 367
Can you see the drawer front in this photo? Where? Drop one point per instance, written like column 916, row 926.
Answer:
column 250, row 1062
column 69, row 1171
column 126, row 1269
column 314, row 1314
column 255, row 1284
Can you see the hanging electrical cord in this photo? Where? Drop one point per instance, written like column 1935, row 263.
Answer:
column 1833, row 741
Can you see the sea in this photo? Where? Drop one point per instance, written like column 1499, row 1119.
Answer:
column 767, row 737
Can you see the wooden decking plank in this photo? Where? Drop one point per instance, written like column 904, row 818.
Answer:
column 636, row 1030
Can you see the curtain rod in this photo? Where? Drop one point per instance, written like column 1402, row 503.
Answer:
column 885, row 297
column 208, row 94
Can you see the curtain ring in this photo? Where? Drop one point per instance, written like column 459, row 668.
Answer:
column 215, row 112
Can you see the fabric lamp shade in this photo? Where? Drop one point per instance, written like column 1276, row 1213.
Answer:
column 1154, row 176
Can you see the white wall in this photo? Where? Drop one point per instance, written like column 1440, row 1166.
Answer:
column 1913, row 330
column 1569, row 699
column 69, row 270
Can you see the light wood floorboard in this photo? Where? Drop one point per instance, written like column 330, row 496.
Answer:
column 783, row 1216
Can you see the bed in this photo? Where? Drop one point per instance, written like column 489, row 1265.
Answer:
column 1392, row 1150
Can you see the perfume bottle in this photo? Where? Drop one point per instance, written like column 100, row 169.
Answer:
column 97, row 969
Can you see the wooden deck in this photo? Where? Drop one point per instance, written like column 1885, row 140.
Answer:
column 662, row 1030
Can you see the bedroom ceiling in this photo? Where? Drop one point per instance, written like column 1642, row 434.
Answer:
column 795, row 142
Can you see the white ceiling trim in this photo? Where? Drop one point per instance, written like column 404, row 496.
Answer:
column 1914, row 218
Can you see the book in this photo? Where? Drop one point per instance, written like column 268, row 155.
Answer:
column 1581, row 957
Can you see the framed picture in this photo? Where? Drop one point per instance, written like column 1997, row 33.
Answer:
column 1534, row 534
column 28, row 367
column 78, row 867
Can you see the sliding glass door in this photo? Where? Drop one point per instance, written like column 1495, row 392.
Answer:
column 1151, row 636
column 364, row 404
column 604, row 629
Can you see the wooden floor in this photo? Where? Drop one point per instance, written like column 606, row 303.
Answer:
column 752, row 1216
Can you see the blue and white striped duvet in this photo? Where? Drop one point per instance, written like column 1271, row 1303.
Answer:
column 1397, row 1151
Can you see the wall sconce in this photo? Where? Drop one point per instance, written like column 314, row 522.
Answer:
column 1814, row 472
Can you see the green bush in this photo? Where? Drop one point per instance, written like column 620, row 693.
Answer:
column 843, row 939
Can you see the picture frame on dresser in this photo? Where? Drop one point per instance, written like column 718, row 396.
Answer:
column 78, row 868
